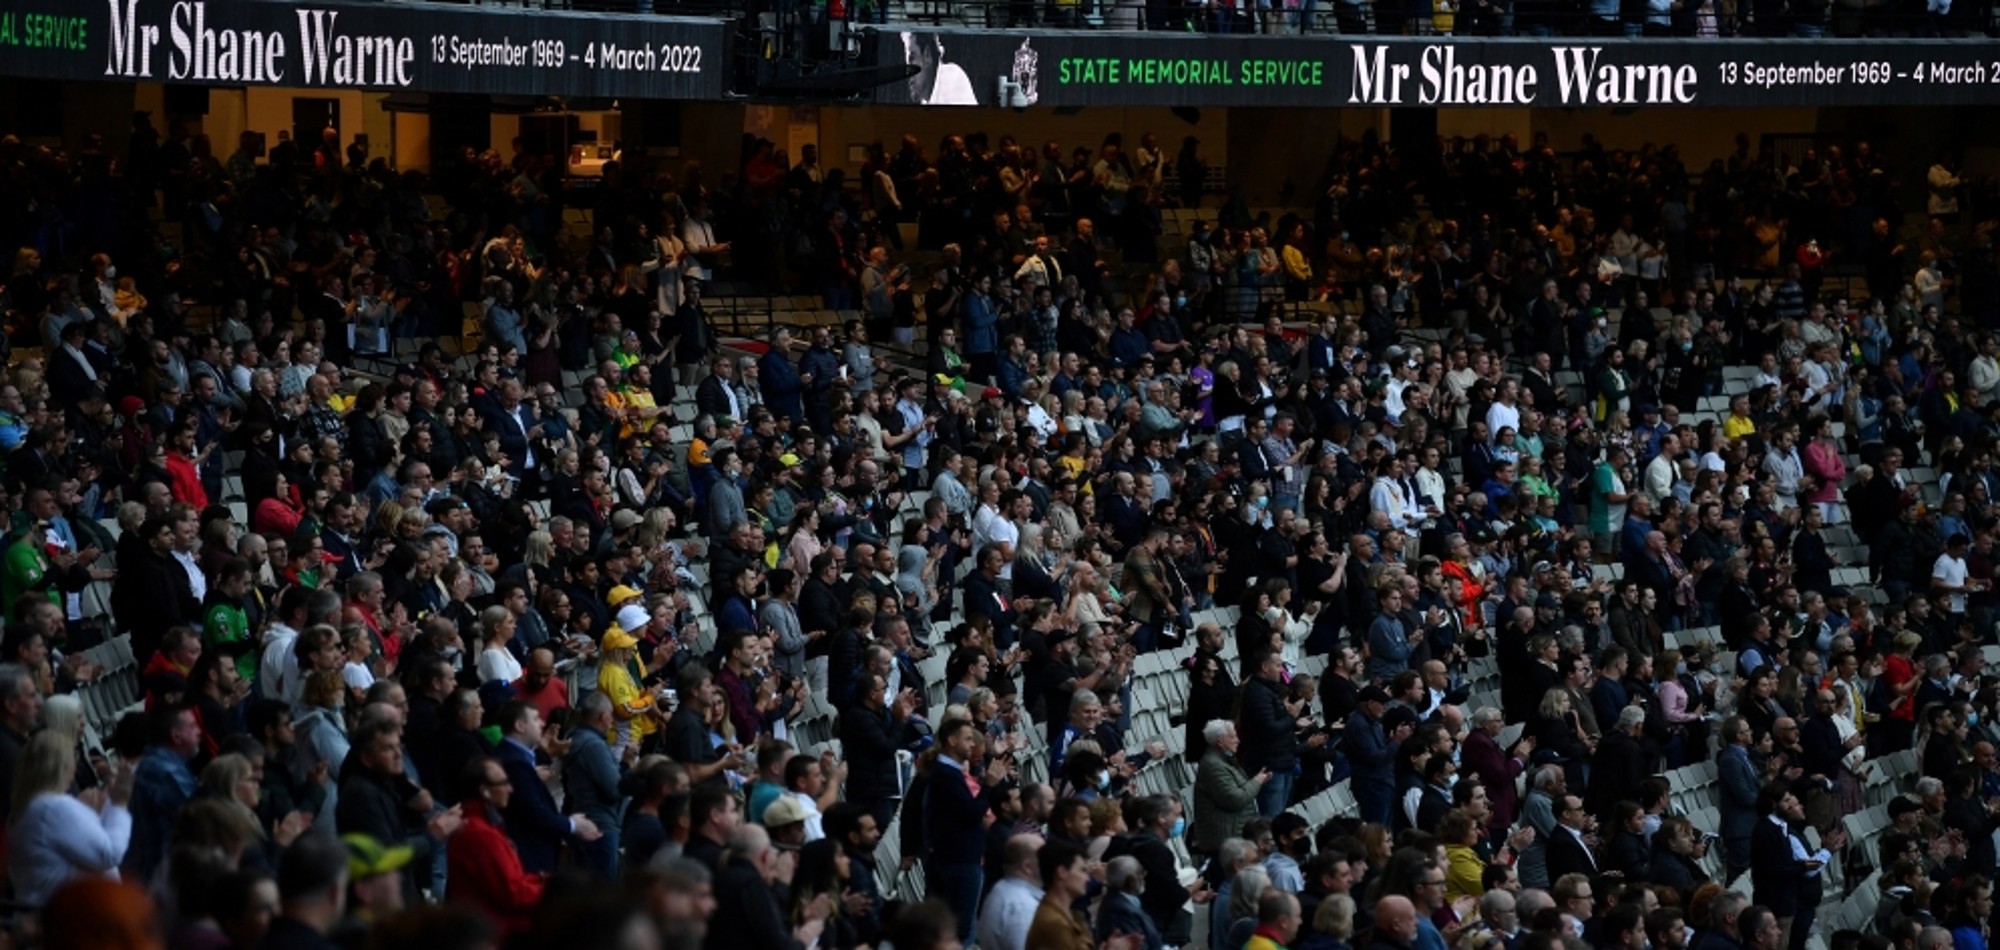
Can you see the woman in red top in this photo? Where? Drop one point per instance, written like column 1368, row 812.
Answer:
column 481, row 866
column 280, row 512
column 1899, row 675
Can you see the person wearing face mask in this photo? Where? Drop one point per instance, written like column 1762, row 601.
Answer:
column 1152, row 821
column 1292, row 835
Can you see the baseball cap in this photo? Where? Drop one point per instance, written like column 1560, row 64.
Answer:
column 621, row 594
column 625, row 519
column 790, row 460
column 366, row 857
column 784, row 810
column 615, row 638
column 1374, row 694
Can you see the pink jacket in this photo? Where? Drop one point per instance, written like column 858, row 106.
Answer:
column 1823, row 462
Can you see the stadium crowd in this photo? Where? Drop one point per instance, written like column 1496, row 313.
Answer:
column 1492, row 500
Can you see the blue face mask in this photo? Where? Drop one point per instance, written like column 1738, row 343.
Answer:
column 1103, row 780
column 1179, row 828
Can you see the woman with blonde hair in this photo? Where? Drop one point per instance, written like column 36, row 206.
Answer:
column 237, row 781
column 1107, row 821
column 62, row 714
column 55, row 837
column 496, row 661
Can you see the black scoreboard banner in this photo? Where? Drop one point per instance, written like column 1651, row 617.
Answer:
column 974, row 67
column 417, row 47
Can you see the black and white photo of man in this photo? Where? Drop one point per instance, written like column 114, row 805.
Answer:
column 936, row 82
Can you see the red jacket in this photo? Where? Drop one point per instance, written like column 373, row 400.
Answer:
column 1497, row 770
column 483, row 869
column 185, row 481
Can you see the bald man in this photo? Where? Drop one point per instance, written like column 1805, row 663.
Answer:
column 1395, row 923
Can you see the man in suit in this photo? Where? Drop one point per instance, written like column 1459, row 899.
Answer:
column 715, row 396
column 1541, row 383
column 1737, row 775
column 1568, row 853
column 954, row 822
column 982, row 596
column 533, row 821
column 517, row 427
column 1121, row 913
column 1784, row 873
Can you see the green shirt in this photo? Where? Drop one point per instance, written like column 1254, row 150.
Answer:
column 1605, row 517
column 26, row 569
column 228, row 623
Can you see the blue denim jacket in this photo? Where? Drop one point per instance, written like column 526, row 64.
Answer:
column 161, row 787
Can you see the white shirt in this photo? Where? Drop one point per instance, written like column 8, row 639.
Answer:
column 814, row 830
column 1499, row 416
column 58, row 839
column 1799, row 852
column 1007, row 914
column 357, row 676
column 497, row 664
column 1660, row 478
column 1004, row 532
column 983, row 519
column 278, row 667
column 197, row 580
column 1952, row 571
column 1387, row 498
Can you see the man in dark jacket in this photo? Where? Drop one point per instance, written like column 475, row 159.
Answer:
column 1269, row 723
column 1121, row 912
column 1622, row 761
column 533, row 821
column 1153, row 820
column 372, row 798
column 1784, row 882
column 590, row 781
column 1568, row 852
column 745, row 899
column 983, row 596
column 871, row 730
column 954, row 822
column 715, row 396
column 1371, row 753
column 151, row 592
column 780, row 380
